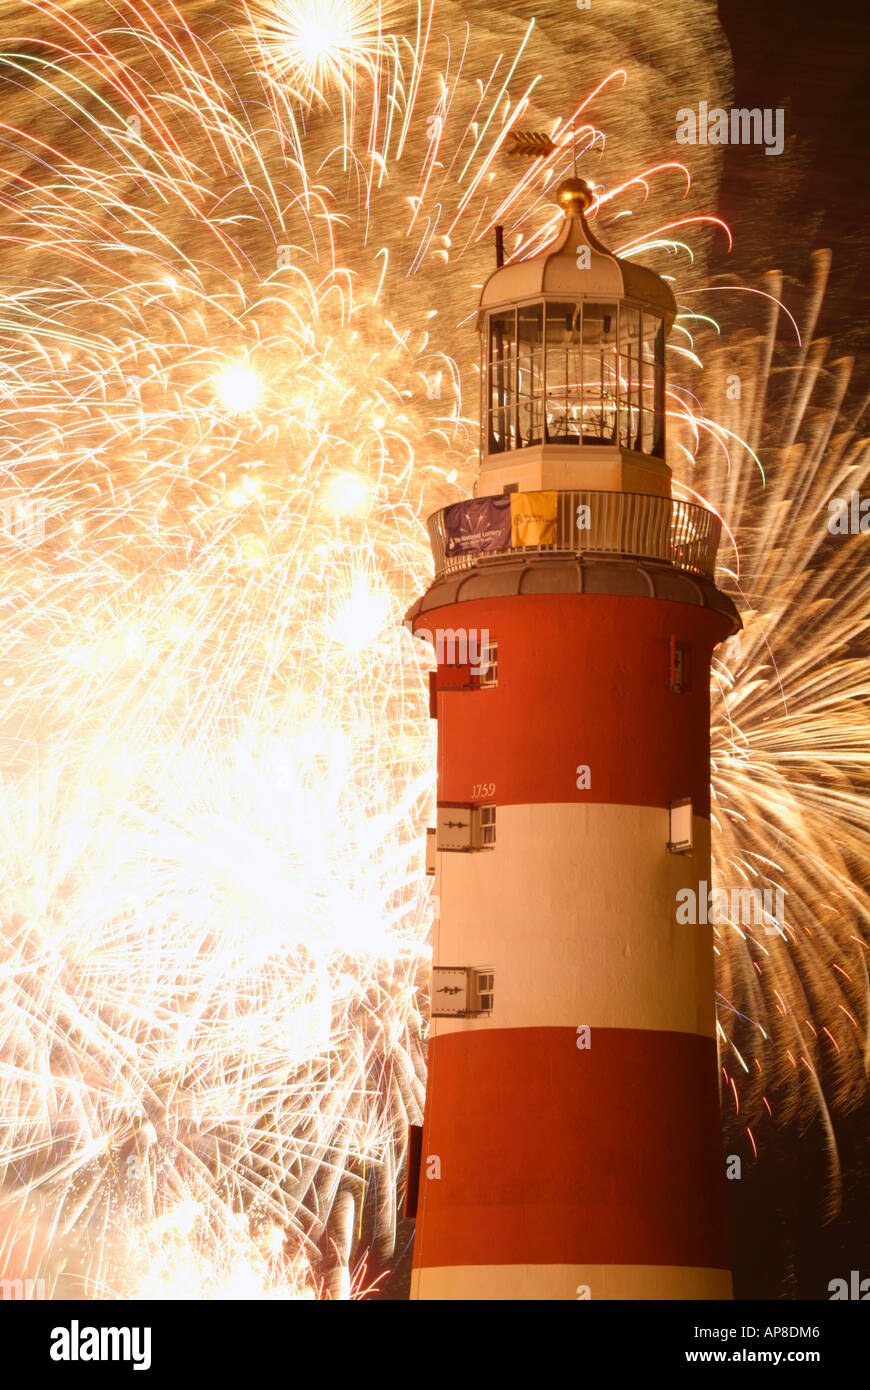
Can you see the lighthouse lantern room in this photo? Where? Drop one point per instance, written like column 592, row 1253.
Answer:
column 574, row 367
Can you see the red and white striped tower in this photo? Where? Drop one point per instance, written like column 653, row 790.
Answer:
column 571, row 1144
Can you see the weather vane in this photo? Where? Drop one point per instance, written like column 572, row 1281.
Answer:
column 534, row 144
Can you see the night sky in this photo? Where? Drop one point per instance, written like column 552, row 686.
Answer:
column 813, row 61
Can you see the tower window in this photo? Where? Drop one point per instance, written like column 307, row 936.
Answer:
column 462, row 991
column 678, row 667
column 489, row 665
column 680, row 827
column 465, row 828
column 485, row 991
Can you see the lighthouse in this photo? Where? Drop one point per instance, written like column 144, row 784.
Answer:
column 571, row 1139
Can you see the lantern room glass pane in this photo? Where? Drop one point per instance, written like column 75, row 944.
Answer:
column 658, row 448
column 629, row 378
column 652, row 386
column 563, row 373
column 599, row 374
column 568, row 373
column 530, row 375
column 502, row 381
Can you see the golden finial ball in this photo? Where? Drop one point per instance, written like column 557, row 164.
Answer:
column 574, row 196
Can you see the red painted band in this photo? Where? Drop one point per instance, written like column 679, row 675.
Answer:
column 582, row 679
column 554, row 1155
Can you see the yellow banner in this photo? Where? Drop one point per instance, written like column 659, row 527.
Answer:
column 533, row 518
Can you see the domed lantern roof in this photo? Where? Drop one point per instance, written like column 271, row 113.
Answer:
column 556, row 270
column 573, row 367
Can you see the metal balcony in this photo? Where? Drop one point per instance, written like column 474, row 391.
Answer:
column 621, row 524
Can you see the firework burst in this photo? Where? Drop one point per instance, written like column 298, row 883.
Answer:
column 790, row 723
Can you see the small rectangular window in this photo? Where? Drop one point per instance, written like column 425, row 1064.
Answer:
column 678, row 667
column 680, row 827
column 462, row 991
column 489, row 666
column 465, row 828
column 485, row 991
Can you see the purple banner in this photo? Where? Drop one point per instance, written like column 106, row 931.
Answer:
column 483, row 523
